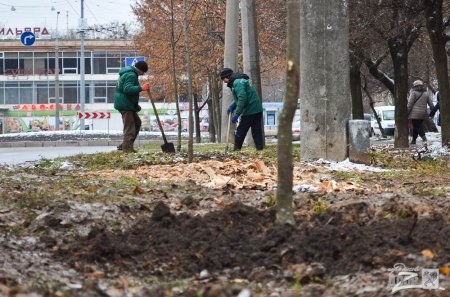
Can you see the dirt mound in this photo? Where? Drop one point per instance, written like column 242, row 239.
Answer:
column 242, row 238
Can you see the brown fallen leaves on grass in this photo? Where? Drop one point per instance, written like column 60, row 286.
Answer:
column 236, row 174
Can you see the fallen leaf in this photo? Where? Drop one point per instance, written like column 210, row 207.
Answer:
column 95, row 275
column 138, row 190
column 445, row 270
column 240, row 281
column 92, row 189
column 428, row 253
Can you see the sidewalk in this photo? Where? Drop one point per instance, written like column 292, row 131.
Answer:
column 63, row 143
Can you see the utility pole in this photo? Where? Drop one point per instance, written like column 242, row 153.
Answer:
column 230, row 58
column 82, row 64
column 57, row 76
column 250, row 48
column 325, row 103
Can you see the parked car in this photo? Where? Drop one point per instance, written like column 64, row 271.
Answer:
column 387, row 119
column 204, row 125
column 296, row 129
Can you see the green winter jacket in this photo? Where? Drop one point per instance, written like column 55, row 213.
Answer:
column 126, row 97
column 245, row 98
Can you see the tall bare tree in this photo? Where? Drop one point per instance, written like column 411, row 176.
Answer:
column 437, row 27
column 284, row 144
column 187, row 53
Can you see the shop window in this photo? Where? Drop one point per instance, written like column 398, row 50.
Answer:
column 99, row 63
column 51, row 93
column 70, row 93
column 2, row 93
column 40, row 66
column 11, row 93
column 87, row 65
column 110, row 91
column 26, row 93
column 42, row 93
column 69, row 65
column 113, row 62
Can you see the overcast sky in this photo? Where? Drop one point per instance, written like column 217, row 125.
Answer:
column 40, row 13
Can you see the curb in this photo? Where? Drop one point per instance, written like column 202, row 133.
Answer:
column 69, row 143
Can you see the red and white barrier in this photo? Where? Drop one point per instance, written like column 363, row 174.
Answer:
column 94, row 115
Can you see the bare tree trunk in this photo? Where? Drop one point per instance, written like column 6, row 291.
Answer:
column 372, row 106
column 187, row 52
column 284, row 144
column 250, row 47
column 215, row 93
column 230, row 57
column 355, row 88
column 399, row 47
column 436, row 31
column 379, row 75
column 211, row 126
column 174, row 78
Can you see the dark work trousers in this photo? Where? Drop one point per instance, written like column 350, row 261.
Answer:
column 131, row 127
column 254, row 121
column 418, row 129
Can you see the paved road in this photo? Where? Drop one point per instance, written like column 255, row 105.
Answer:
column 19, row 155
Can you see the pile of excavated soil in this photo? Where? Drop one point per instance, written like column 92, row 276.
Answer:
column 353, row 238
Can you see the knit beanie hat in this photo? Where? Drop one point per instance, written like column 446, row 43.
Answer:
column 226, row 72
column 141, row 65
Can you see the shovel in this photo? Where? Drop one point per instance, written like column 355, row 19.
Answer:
column 228, row 131
column 167, row 147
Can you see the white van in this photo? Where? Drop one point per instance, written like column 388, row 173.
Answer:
column 387, row 119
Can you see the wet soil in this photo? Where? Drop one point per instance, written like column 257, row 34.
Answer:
column 353, row 238
column 185, row 239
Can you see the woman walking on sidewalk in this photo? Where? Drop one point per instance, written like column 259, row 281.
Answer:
column 417, row 109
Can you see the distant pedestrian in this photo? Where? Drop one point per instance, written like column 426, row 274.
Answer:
column 417, row 109
column 247, row 105
column 126, row 101
column 437, row 108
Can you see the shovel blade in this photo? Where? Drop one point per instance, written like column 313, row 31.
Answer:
column 168, row 147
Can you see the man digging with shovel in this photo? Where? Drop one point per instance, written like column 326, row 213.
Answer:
column 247, row 105
column 126, row 101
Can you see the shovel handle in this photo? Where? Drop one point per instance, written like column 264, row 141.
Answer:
column 157, row 117
column 228, row 130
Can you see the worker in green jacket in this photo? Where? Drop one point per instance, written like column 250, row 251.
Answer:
column 126, row 101
column 247, row 105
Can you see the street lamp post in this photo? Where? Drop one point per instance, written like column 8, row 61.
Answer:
column 57, row 76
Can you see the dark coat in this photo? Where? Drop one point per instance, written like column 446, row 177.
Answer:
column 126, row 97
column 245, row 98
column 436, row 108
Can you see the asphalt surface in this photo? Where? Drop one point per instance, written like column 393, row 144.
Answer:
column 18, row 155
